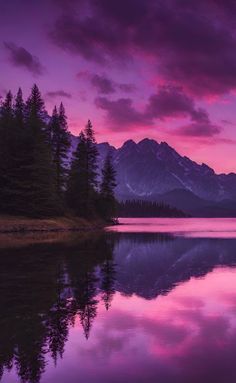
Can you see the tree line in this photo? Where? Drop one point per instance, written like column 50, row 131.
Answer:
column 36, row 179
column 141, row 208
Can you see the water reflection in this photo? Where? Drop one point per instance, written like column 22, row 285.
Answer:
column 142, row 307
column 42, row 290
column 187, row 227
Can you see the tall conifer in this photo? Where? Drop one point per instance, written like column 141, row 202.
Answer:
column 6, row 131
column 82, row 184
column 40, row 170
column 77, row 183
column 92, row 154
column 108, row 184
column 92, row 166
column 19, row 109
column 60, row 141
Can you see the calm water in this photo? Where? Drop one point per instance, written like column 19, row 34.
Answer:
column 148, row 301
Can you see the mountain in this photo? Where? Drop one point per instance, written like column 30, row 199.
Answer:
column 155, row 171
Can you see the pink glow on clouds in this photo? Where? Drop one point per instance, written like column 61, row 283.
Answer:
column 133, row 59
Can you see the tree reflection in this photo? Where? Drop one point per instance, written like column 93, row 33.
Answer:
column 57, row 321
column 43, row 288
column 108, row 282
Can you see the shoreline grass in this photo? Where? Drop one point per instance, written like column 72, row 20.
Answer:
column 15, row 224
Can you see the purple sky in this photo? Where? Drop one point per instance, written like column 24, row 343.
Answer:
column 164, row 69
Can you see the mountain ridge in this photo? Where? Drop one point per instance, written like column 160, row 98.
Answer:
column 155, row 171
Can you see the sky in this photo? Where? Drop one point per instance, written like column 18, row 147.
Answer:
column 163, row 69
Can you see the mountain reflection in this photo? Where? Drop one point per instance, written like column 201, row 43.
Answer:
column 44, row 288
column 152, row 265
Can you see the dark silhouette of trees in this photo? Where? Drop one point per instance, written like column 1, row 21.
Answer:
column 78, row 179
column 19, row 108
column 108, row 184
column 36, row 178
column 141, row 208
column 42, row 195
column 60, row 141
column 6, row 126
column 82, row 194
column 92, row 156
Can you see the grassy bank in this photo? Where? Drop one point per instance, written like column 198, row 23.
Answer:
column 12, row 224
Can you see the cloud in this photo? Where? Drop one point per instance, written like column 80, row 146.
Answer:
column 127, row 88
column 58, row 93
column 199, row 130
column 121, row 113
column 171, row 101
column 227, row 122
column 20, row 57
column 88, row 36
column 103, row 84
column 192, row 44
column 168, row 102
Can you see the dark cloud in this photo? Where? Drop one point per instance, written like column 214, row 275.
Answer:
column 168, row 102
column 199, row 130
column 127, row 88
column 88, row 37
column 20, row 57
column 64, row 3
column 171, row 101
column 126, row 13
column 121, row 113
column 58, row 93
column 103, row 84
column 192, row 43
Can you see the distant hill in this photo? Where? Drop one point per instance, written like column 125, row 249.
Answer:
column 198, row 207
column 156, row 172
column 140, row 208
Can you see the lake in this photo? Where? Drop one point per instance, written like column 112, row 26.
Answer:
column 150, row 300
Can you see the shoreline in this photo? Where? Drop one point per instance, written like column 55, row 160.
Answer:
column 13, row 224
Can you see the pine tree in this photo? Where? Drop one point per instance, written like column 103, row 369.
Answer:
column 82, row 183
column 92, row 154
column 60, row 141
column 19, row 108
column 33, row 169
column 77, row 182
column 19, row 156
column 39, row 170
column 6, row 132
column 108, row 184
column 13, row 149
